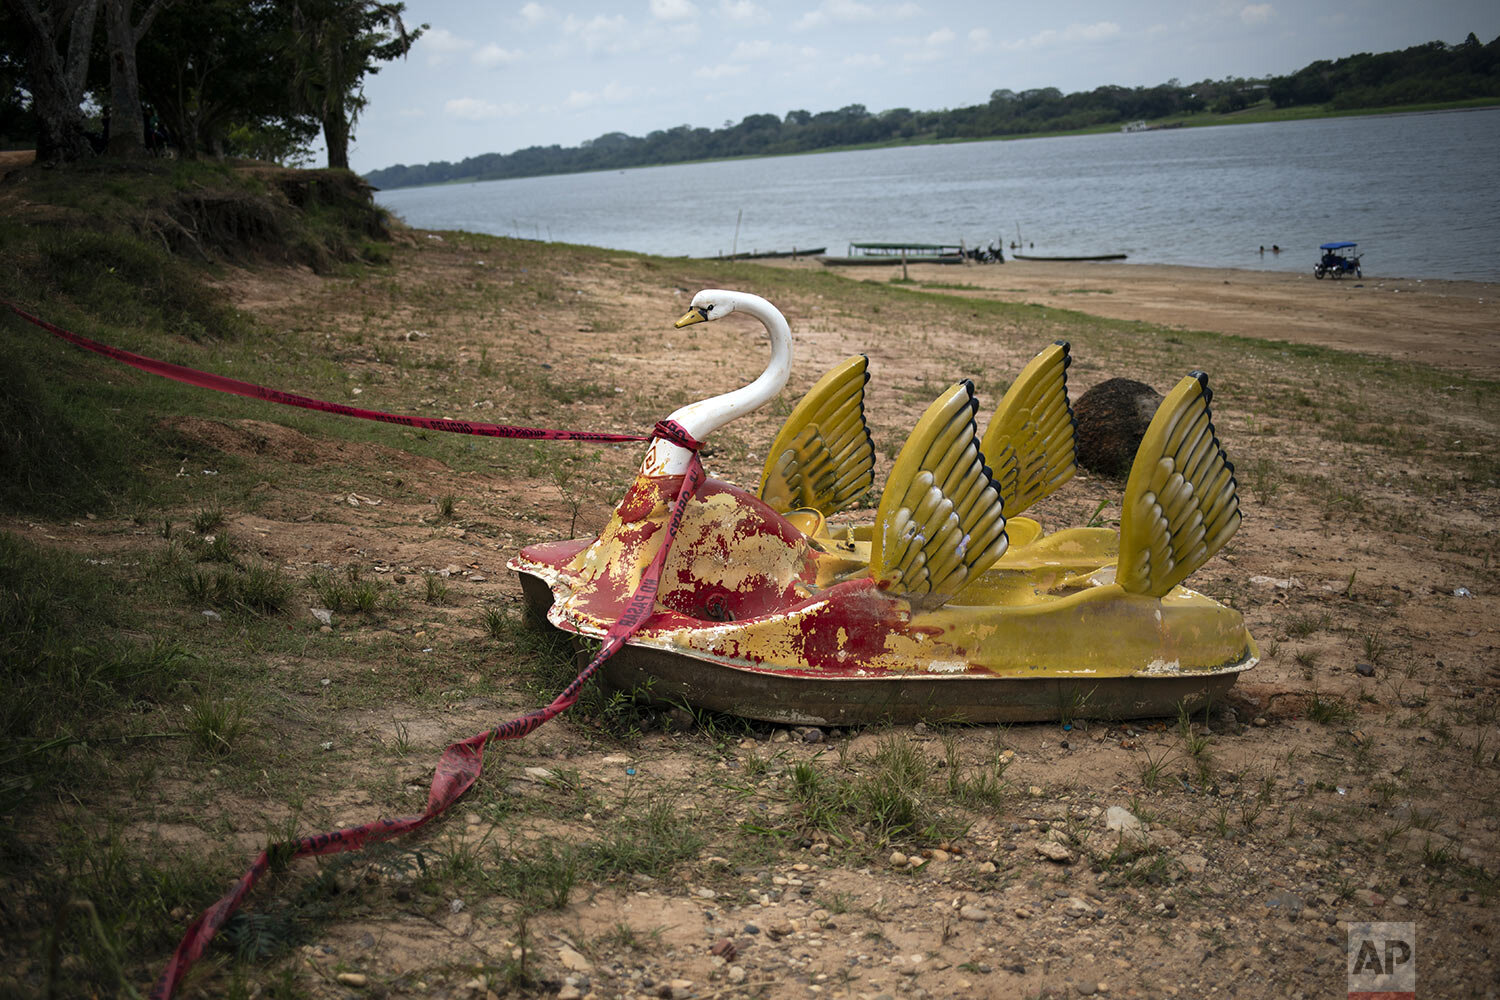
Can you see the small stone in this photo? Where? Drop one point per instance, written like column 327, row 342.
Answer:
column 355, row 979
column 1369, row 897
column 1259, row 722
column 1163, row 837
column 1053, row 851
column 987, row 868
column 1289, row 904
column 898, row 860
column 725, row 949
column 323, row 615
column 812, row 736
column 570, row 992
column 975, row 913
column 1193, row 864
column 941, row 855
column 781, row 929
column 573, row 960
column 1365, row 669
column 736, row 974
column 705, row 894
column 1087, row 989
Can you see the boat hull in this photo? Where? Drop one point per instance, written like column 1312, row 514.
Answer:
column 888, row 260
column 1097, row 256
column 841, row 700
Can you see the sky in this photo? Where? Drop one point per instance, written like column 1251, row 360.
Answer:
column 497, row 77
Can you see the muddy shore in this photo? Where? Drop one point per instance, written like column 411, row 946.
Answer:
column 1450, row 324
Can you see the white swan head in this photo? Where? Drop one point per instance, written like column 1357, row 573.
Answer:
column 707, row 415
column 714, row 303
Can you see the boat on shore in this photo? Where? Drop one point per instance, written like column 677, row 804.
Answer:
column 1096, row 256
column 794, row 253
column 950, row 605
column 878, row 254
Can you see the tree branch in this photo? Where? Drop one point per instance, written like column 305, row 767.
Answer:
column 148, row 17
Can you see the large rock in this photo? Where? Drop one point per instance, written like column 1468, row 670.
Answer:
column 1112, row 419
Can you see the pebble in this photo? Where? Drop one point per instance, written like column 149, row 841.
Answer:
column 736, row 974
column 570, row 993
column 812, row 736
column 1259, row 722
column 975, row 913
column 1288, row 903
column 898, row 860
column 987, row 868
column 358, row 979
column 1194, row 864
column 573, row 959
column 1053, row 851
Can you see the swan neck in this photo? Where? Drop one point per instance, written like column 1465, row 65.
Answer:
column 702, row 418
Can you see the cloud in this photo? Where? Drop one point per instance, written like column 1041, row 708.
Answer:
column 928, row 48
column 852, row 11
column 1072, row 34
column 978, row 39
column 534, row 13
column 475, row 109
column 863, row 60
column 602, row 33
column 1257, row 13
column 673, row 10
column 752, row 50
column 742, row 10
column 718, row 71
column 440, row 44
column 613, row 93
column 493, row 55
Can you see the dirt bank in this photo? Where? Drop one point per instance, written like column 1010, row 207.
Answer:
column 1451, row 324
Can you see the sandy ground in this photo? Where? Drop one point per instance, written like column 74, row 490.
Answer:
column 1269, row 831
column 1451, row 324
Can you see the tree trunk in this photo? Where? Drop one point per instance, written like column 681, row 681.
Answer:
column 60, row 130
column 127, row 135
column 127, row 131
column 336, row 137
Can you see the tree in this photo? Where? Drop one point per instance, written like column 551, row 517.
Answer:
column 124, row 32
column 56, row 78
column 337, row 43
column 216, row 71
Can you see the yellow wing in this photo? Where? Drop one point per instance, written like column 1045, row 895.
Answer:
column 1181, row 504
column 940, row 518
column 823, row 457
column 1030, row 441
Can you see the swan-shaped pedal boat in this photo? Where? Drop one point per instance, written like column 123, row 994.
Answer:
column 949, row 606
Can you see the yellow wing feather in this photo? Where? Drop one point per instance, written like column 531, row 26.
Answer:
column 823, row 457
column 1181, row 503
column 941, row 516
column 1030, row 440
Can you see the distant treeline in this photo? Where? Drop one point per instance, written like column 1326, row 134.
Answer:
column 1433, row 72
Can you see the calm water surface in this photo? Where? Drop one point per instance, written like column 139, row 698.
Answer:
column 1419, row 192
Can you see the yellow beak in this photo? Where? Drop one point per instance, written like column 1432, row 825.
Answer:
column 693, row 315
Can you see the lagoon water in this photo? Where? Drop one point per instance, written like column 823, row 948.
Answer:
column 1420, row 193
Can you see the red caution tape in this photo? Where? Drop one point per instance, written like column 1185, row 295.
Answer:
column 208, row 380
column 461, row 763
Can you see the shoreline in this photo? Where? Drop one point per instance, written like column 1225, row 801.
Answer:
column 1446, row 323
